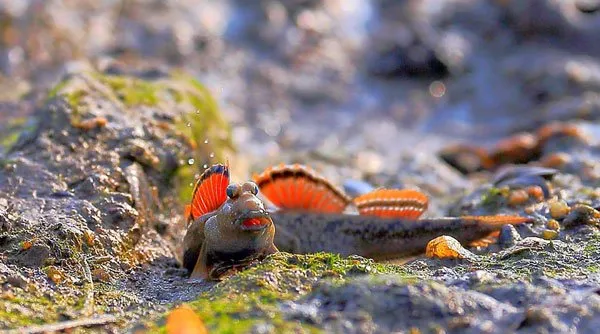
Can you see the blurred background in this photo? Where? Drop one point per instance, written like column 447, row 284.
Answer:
column 355, row 83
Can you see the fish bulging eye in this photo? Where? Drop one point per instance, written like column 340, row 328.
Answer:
column 254, row 188
column 250, row 187
column 232, row 191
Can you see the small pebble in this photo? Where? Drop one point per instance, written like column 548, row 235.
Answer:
column 55, row 275
column 539, row 315
column 89, row 124
column 7, row 295
column 549, row 234
column 553, row 225
column 26, row 244
column 536, row 192
column 369, row 162
column 88, row 237
column 518, row 197
column 558, row 209
column 508, row 236
column 100, row 275
column 582, row 215
column 480, row 276
column 414, row 330
column 184, row 319
column 446, row 247
column 558, row 129
column 17, row 280
column 556, row 160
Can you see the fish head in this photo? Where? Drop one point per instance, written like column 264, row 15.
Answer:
column 243, row 211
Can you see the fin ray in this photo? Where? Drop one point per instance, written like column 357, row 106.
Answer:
column 296, row 187
column 209, row 191
column 397, row 203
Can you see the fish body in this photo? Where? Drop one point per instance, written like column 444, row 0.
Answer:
column 230, row 228
column 379, row 238
column 316, row 216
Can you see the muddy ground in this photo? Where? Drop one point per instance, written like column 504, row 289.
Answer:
column 104, row 124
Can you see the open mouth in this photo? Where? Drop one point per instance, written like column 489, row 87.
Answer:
column 254, row 221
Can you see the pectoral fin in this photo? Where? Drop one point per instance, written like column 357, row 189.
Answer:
column 201, row 268
column 271, row 250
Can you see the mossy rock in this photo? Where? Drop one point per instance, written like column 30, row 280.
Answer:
column 196, row 118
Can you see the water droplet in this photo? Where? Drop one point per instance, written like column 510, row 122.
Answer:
column 189, row 124
column 205, row 141
column 191, row 161
column 197, row 111
column 273, row 128
column 437, row 89
column 212, row 155
column 205, row 166
column 191, row 184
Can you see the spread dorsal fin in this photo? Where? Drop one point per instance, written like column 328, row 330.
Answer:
column 397, row 203
column 209, row 192
column 297, row 187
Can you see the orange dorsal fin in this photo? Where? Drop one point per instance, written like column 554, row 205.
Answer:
column 297, row 187
column 209, row 192
column 397, row 203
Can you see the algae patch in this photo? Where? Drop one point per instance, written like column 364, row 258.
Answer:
column 11, row 131
column 253, row 297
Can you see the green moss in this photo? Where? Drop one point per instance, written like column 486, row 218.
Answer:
column 132, row 91
column 253, row 296
column 74, row 99
column 9, row 139
column 72, row 95
column 494, row 197
column 205, row 122
column 186, row 174
column 11, row 131
column 23, row 308
column 57, row 89
column 17, row 319
column 205, row 129
column 593, row 269
column 593, row 245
